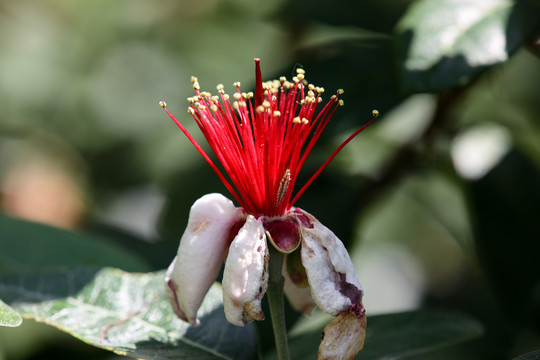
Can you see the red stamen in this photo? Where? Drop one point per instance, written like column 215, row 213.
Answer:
column 262, row 143
column 317, row 173
column 258, row 83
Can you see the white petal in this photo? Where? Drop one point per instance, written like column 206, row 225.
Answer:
column 245, row 277
column 200, row 254
column 331, row 275
column 299, row 298
column 343, row 337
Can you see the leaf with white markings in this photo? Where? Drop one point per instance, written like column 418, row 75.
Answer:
column 8, row 316
column 127, row 313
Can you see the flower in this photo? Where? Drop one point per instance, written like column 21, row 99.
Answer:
column 262, row 140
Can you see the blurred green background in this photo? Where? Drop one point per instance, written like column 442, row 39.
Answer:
column 438, row 201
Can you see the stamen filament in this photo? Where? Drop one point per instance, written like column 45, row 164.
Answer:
column 317, row 173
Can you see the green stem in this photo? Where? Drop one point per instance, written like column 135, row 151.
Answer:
column 275, row 301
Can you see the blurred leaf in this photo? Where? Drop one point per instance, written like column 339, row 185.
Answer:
column 444, row 44
column 8, row 316
column 533, row 355
column 27, row 246
column 506, row 204
column 377, row 15
column 127, row 313
column 399, row 335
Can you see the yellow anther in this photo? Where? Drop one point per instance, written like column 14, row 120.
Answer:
column 236, row 84
column 266, row 104
column 277, row 113
column 237, row 96
column 274, row 98
column 319, row 99
column 220, row 87
column 340, row 91
column 305, row 121
column 260, row 109
column 191, row 110
column 341, row 102
column 194, row 80
column 300, row 76
column 283, row 186
column 249, row 95
column 196, row 85
column 295, row 79
column 333, row 97
column 302, row 102
column 214, row 107
column 311, row 87
column 225, row 97
column 162, row 104
column 375, row 112
column 300, row 71
column 320, row 90
column 282, row 79
column 297, row 120
column 311, row 93
column 235, row 105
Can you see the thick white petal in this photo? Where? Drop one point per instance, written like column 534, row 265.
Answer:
column 343, row 337
column 200, row 254
column 300, row 298
column 331, row 275
column 245, row 277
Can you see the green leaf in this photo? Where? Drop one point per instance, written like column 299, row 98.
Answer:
column 8, row 316
column 26, row 246
column 127, row 313
column 533, row 355
column 446, row 43
column 395, row 335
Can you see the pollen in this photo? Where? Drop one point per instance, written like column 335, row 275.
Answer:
column 375, row 112
column 283, row 186
column 341, row 102
column 262, row 138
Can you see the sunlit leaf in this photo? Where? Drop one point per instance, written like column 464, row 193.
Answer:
column 8, row 316
column 127, row 313
column 27, row 246
column 533, row 355
column 443, row 44
column 395, row 335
